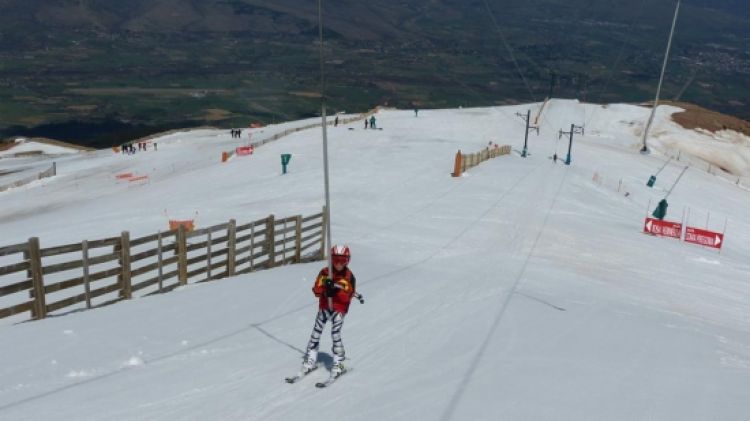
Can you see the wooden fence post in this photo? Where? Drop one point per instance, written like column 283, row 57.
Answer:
column 182, row 255
column 323, row 234
column 270, row 237
column 86, row 280
column 160, row 262
column 208, row 256
column 252, row 246
column 39, row 310
column 126, row 286
column 298, row 240
column 231, row 246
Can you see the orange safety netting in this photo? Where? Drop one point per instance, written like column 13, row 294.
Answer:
column 244, row 150
column 188, row 224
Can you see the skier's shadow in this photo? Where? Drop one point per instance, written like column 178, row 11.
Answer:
column 326, row 360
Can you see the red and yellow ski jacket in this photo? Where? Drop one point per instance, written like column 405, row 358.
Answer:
column 346, row 288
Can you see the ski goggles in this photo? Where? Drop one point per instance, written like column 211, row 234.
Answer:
column 339, row 260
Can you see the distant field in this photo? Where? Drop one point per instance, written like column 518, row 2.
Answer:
column 258, row 61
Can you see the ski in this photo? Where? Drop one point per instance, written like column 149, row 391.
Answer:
column 300, row 375
column 331, row 379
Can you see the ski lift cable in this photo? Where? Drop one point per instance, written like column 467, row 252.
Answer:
column 627, row 40
column 509, row 49
column 476, row 93
column 514, row 289
column 510, row 117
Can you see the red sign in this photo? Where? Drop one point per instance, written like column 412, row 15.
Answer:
column 704, row 237
column 663, row 228
column 244, row 150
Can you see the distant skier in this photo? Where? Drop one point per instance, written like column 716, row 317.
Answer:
column 335, row 294
column 372, row 122
column 336, row 121
column 416, row 112
column 366, row 123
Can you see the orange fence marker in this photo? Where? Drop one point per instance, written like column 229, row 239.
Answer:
column 189, row 224
column 457, row 165
column 244, row 150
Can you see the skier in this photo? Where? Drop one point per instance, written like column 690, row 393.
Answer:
column 335, row 294
column 372, row 122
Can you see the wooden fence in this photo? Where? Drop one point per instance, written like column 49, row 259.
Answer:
column 50, row 172
column 226, row 155
column 100, row 272
column 465, row 161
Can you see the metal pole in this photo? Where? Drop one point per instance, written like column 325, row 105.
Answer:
column 526, row 137
column 570, row 145
column 325, row 143
column 676, row 181
column 661, row 79
column 663, row 166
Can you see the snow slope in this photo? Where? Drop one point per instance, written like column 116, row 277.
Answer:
column 523, row 290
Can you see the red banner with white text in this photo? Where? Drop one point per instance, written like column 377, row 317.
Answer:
column 662, row 228
column 704, row 237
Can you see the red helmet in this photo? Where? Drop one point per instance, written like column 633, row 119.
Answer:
column 340, row 255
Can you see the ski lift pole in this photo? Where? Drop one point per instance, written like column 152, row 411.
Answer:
column 327, row 227
column 652, row 179
column 661, row 79
column 675, row 183
column 664, row 166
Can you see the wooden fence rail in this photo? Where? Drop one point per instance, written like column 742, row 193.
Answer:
column 50, row 172
column 96, row 273
column 256, row 143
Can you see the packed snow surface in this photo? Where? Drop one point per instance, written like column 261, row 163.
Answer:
column 523, row 290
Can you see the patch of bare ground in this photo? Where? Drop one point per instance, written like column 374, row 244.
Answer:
column 6, row 144
column 60, row 143
column 695, row 117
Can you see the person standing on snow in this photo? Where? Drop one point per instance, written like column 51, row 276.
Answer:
column 335, row 294
column 372, row 122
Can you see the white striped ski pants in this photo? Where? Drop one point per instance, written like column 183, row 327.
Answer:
column 337, row 322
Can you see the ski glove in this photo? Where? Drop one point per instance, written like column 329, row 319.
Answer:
column 330, row 287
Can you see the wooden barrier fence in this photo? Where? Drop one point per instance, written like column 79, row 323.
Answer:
column 96, row 273
column 226, row 155
column 50, row 172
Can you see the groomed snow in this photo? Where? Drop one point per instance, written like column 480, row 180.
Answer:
column 524, row 290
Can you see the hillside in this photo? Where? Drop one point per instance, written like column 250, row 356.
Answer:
column 102, row 72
